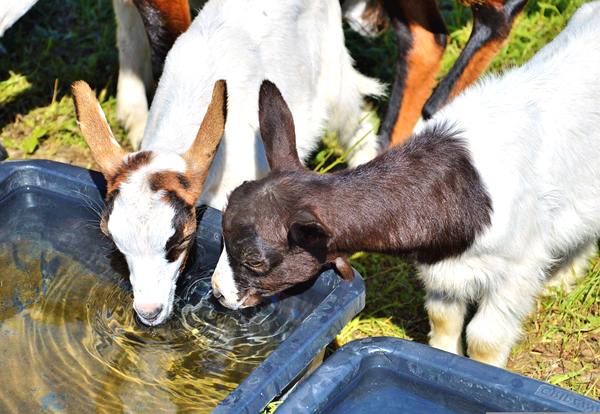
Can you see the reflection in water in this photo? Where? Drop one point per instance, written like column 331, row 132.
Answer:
column 69, row 340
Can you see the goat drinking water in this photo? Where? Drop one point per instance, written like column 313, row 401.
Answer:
column 499, row 192
column 299, row 44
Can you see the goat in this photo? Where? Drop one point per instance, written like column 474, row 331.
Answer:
column 300, row 44
column 421, row 37
column 151, row 197
column 500, row 191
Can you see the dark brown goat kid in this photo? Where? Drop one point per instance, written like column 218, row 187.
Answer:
column 283, row 229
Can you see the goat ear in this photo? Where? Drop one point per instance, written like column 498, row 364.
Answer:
column 307, row 230
column 344, row 269
column 200, row 155
column 277, row 129
column 106, row 151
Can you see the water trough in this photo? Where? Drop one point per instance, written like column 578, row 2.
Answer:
column 68, row 338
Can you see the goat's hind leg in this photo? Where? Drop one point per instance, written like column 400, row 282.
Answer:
column 446, row 319
column 572, row 268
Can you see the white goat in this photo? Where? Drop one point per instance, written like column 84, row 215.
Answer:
column 535, row 138
column 298, row 44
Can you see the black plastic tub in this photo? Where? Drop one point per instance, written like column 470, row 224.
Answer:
column 59, row 204
column 392, row 375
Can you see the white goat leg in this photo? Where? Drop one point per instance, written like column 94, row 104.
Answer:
column 446, row 319
column 11, row 11
column 135, row 71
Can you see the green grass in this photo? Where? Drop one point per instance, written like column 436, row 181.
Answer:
column 57, row 43
column 46, row 51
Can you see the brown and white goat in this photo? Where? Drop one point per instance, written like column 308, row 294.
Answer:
column 151, row 198
column 300, row 44
column 421, row 37
column 499, row 192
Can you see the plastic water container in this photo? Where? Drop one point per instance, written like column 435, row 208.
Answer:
column 392, row 375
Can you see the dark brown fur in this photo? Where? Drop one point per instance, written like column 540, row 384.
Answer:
column 423, row 201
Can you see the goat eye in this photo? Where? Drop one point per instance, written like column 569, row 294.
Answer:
column 255, row 265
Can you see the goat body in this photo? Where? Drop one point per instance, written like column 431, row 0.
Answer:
column 498, row 193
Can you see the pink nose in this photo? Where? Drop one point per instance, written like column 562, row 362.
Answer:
column 148, row 311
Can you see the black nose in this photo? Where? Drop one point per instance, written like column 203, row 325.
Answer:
column 217, row 294
column 150, row 314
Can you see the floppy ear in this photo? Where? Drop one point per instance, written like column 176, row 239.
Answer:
column 308, row 231
column 200, row 155
column 277, row 129
column 106, row 151
column 344, row 269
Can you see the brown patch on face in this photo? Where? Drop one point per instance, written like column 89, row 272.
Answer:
column 423, row 63
column 130, row 164
column 181, row 191
column 186, row 186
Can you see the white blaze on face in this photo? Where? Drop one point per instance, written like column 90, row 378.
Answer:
column 140, row 225
column 223, row 283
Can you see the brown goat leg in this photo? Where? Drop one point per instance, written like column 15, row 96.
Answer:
column 492, row 22
column 164, row 21
column 421, row 37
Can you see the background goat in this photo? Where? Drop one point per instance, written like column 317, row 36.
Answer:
column 421, row 37
column 500, row 191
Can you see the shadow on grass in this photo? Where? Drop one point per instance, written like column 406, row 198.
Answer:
column 59, row 42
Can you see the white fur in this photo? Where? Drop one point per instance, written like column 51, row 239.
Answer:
column 11, row 11
column 135, row 71
column 223, row 283
column 245, row 43
column 534, row 136
column 140, row 225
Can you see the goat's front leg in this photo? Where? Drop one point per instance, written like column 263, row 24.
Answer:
column 146, row 32
column 446, row 319
column 421, row 37
column 495, row 327
column 492, row 22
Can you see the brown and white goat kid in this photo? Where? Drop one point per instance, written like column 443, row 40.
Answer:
column 151, row 198
column 498, row 193
column 300, row 44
